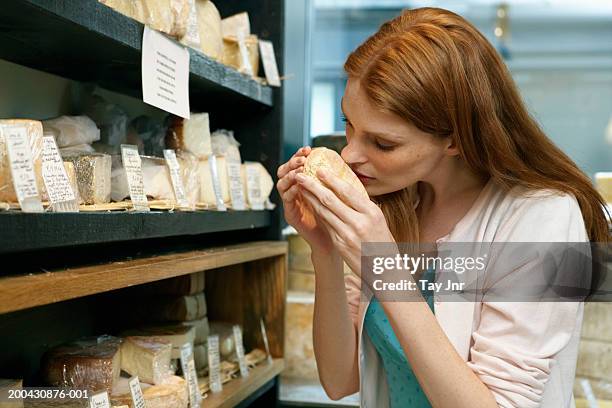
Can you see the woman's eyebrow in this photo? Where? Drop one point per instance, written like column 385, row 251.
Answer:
column 387, row 136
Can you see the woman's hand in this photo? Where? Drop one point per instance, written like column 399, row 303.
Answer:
column 349, row 217
column 296, row 210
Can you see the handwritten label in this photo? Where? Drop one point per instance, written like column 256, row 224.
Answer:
column 244, row 369
column 244, row 53
column 214, row 364
column 165, row 73
column 268, row 58
column 235, row 185
column 22, row 168
column 264, row 335
column 254, row 186
column 189, row 372
column 137, row 395
column 216, row 181
column 55, row 177
column 99, row 400
column 175, row 176
column 132, row 165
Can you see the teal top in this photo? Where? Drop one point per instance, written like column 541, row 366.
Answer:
column 404, row 389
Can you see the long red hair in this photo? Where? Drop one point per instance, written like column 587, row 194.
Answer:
column 436, row 70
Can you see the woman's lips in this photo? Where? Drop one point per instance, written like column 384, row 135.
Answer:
column 364, row 179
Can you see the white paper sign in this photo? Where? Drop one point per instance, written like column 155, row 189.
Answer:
column 244, row 54
column 268, row 58
column 254, row 187
column 235, row 185
column 136, row 391
column 99, row 401
column 216, row 181
column 244, row 369
column 22, row 168
column 214, row 364
column 264, row 335
column 132, row 165
column 165, row 73
column 189, row 372
column 175, row 175
column 55, row 177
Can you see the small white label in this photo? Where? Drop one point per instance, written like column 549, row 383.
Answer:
column 588, row 393
column 54, row 174
column 132, row 165
column 244, row 369
column 216, row 181
column 254, row 187
column 244, row 53
column 189, row 372
column 22, row 168
column 214, row 364
column 268, row 57
column 264, row 335
column 136, row 391
column 99, row 400
column 165, row 73
column 175, row 175
column 235, row 185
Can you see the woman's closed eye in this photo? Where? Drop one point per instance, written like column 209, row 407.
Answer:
column 383, row 146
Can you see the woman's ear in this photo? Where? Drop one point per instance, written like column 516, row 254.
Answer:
column 451, row 147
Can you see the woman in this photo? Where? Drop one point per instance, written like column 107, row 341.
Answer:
column 438, row 135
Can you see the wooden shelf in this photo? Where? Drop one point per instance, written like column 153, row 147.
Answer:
column 85, row 40
column 25, row 232
column 16, row 292
column 240, row 388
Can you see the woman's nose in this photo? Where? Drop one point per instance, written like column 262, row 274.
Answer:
column 352, row 153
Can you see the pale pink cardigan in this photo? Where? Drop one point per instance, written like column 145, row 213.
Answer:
column 525, row 353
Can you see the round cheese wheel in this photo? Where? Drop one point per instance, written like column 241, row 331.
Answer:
column 322, row 157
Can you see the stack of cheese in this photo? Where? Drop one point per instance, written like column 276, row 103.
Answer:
column 235, row 28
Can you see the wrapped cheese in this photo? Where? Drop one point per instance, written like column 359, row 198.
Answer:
column 232, row 57
column 90, row 363
column 172, row 393
column 209, row 25
column 238, row 23
column 34, row 131
column 93, row 172
column 146, row 357
column 225, row 332
column 200, row 356
column 266, row 184
column 224, row 144
column 175, row 334
column 205, row 174
column 5, row 386
column 190, row 135
column 192, row 34
column 72, row 130
column 156, row 179
column 202, row 329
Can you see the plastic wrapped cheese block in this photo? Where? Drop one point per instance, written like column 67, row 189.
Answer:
column 190, row 135
column 232, row 57
column 5, row 386
column 207, row 192
column 172, row 393
column 93, row 172
column 174, row 333
column 322, row 157
column 92, row 364
column 225, row 332
column 266, row 184
column 146, row 357
column 34, row 132
column 202, row 329
column 209, row 24
column 200, row 356
column 72, row 130
column 156, row 179
column 224, row 144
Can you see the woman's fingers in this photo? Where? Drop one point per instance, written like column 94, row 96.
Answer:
column 285, row 182
column 297, row 160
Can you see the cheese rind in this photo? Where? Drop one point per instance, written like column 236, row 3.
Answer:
column 172, row 393
column 178, row 335
column 146, row 357
column 191, row 135
column 93, row 172
column 322, row 157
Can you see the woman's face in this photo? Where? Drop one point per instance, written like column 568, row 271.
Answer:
column 385, row 151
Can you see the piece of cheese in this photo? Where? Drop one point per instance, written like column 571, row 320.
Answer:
column 209, row 24
column 207, row 192
column 146, row 357
column 192, row 34
column 191, row 284
column 232, row 25
column 132, row 8
column 5, row 386
column 603, row 182
column 93, row 364
column 72, row 130
column 200, row 356
column 172, row 393
column 190, row 135
column 93, row 173
column 266, row 184
column 175, row 334
column 232, row 57
column 202, row 329
column 71, row 173
column 224, row 144
column 226, row 337
column 155, row 175
column 177, row 308
column 34, row 132
column 328, row 159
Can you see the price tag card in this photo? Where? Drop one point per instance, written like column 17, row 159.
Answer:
column 59, row 189
column 136, row 391
column 244, row 369
column 214, row 364
column 175, row 175
column 268, row 58
column 189, row 372
column 165, row 73
column 133, row 171
column 99, row 400
column 245, row 62
column 254, row 187
column 216, row 181
column 235, row 185
column 22, row 167
column 264, row 335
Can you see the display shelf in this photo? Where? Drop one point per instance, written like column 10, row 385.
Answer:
column 239, row 389
column 85, row 40
column 59, row 285
column 26, row 232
